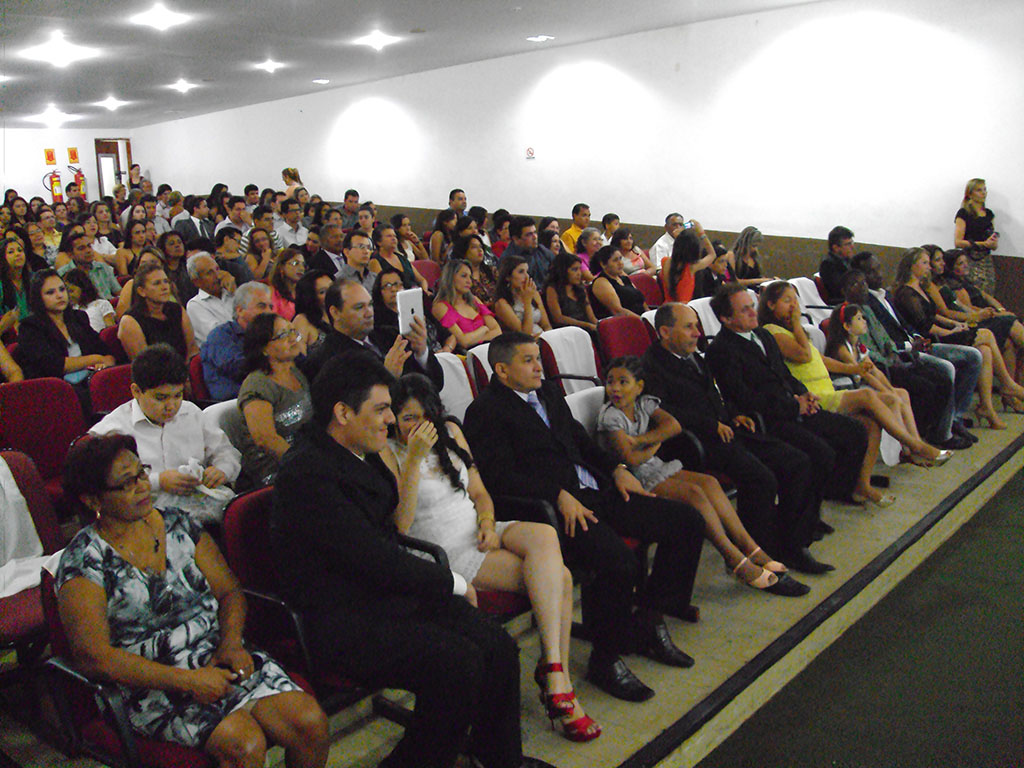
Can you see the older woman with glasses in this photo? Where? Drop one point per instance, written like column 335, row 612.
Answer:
column 149, row 604
column 273, row 402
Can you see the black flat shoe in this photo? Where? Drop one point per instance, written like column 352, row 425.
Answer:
column 960, row 429
column 616, row 679
column 955, row 443
column 656, row 643
column 802, row 560
column 787, row 586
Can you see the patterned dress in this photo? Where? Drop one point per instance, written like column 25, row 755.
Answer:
column 168, row 618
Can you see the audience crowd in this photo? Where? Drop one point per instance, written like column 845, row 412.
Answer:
column 288, row 306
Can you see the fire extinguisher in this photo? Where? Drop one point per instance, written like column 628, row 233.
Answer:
column 79, row 180
column 52, row 182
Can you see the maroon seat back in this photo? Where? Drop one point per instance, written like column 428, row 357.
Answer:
column 110, row 388
column 109, row 337
column 623, row 335
column 430, row 270
column 247, row 544
column 649, row 287
column 38, row 500
column 195, row 377
column 40, row 417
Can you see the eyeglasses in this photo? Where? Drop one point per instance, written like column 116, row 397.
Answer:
column 140, row 476
column 296, row 263
column 361, row 247
column 390, row 286
column 291, row 332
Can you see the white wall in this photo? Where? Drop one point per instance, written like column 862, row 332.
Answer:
column 23, row 160
column 868, row 113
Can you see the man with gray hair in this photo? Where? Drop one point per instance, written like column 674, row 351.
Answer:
column 222, row 353
column 212, row 306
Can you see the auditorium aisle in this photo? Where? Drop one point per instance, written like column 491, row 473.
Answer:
column 930, row 676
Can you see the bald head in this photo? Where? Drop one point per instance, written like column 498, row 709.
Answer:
column 678, row 328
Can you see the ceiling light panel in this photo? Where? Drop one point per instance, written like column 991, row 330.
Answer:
column 160, row 17
column 377, row 40
column 540, row 38
column 59, row 52
column 112, row 103
column 52, row 117
column 270, row 66
column 183, row 85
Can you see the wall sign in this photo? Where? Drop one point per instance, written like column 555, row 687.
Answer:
column 51, row 156
column 72, row 154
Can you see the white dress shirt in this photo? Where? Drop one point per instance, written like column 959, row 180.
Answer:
column 207, row 311
column 294, row 237
column 186, row 436
column 662, row 249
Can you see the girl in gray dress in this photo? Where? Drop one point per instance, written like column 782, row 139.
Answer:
column 633, row 426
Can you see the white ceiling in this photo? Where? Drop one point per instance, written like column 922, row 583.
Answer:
column 219, row 48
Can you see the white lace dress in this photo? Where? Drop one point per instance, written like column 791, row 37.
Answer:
column 446, row 516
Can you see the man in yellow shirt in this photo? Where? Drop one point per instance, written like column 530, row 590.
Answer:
column 580, row 221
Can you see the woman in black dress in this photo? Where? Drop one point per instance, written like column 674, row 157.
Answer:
column 912, row 299
column 155, row 316
column 612, row 293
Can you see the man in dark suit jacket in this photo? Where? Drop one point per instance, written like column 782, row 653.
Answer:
column 526, row 443
column 762, row 467
column 749, row 368
column 836, row 263
column 329, row 258
column 374, row 611
column 351, row 313
column 961, row 364
column 197, row 225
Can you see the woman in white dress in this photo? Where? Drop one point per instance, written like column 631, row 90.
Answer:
column 443, row 500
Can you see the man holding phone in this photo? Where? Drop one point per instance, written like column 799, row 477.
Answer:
column 350, row 310
column 662, row 248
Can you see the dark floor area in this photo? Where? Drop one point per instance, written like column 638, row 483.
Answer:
column 931, row 676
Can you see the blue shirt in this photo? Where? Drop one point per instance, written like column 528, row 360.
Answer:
column 224, row 360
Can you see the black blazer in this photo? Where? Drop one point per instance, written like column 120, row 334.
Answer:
column 518, row 455
column 335, row 542
column 897, row 330
column 383, row 338
column 42, row 349
column 755, row 380
column 691, row 397
column 189, row 232
column 320, row 260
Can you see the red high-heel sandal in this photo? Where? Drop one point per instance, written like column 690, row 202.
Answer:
column 583, row 728
column 555, row 704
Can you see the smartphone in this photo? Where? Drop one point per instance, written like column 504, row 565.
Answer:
column 688, row 225
column 410, row 304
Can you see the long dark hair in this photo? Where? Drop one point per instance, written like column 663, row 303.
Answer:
column 81, row 280
column 508, row 264
column 382, row 313
column 558, row 274
column 306, row 302
column 416, row 386
column 771, row 295
column 685, row 250
column 836, row 335
column 8, row 291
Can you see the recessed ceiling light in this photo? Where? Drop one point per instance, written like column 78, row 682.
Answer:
column 321, row 81
column 183, row 85
column 52, row 117
column 4, row 78
column 159, row 17
column 376, row 40
column 112, row 103
column 270, row 66
column 540, row 38
column 59, row 52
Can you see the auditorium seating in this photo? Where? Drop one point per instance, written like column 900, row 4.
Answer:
column 430, row 270
column 649, row 287
column 457, row 393
column 569, row 357
column 110, row 388
column 623, row 335
column 812, row 304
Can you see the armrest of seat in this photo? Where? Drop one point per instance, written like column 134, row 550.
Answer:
column 436, row 552
column 112, row 706
column 693, row 454
column 287, row 616
column 537, row 510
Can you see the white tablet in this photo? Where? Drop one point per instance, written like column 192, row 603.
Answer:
column 410, row 305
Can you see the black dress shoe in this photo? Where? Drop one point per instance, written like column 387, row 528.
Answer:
column 787, row 586
column 960, row 430
column 802, row 560
column 533, row 762
column 954, row 443
column 655, row 643
column 690, row 613
column 612, row 676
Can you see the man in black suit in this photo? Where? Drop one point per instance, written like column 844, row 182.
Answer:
column 762, row 467
column 961, row 364
column 198, row 224
column 329, row 258
column 836, row 263
column 374, row 611
column 351, row 314
column 526, row 443
column 752, row 374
